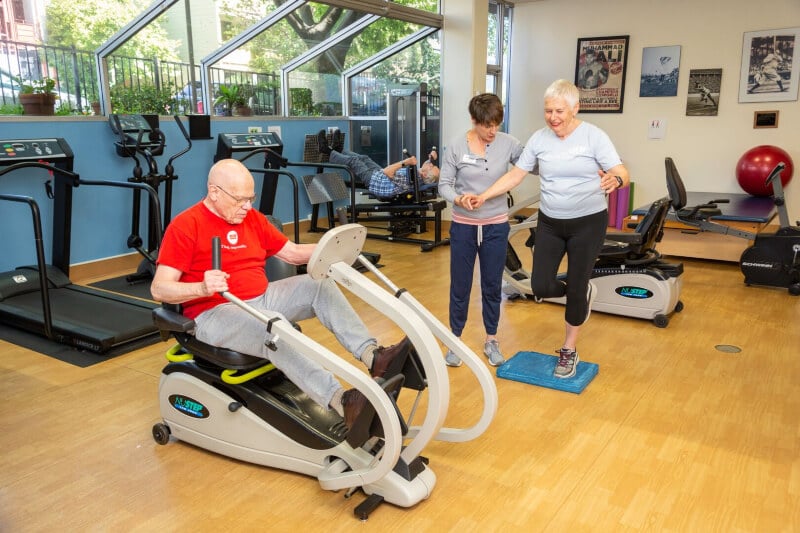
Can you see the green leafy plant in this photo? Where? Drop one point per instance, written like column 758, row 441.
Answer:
column 10, row 109
column 42, row 86
column 145, row 99
column 231, row 96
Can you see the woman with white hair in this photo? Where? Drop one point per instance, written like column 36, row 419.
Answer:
column 578, row 167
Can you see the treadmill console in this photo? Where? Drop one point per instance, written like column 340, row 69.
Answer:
column 53, row 150
column 231, row 143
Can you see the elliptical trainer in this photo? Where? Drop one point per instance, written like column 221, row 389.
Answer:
column 138, row 137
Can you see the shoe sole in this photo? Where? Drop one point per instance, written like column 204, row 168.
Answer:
column 493, row 363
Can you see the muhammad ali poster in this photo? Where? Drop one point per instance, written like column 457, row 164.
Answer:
column 600, row 68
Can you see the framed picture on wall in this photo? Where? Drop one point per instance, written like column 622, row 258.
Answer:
column 765, row 119
column 770, row 69
column 660, row 71
column 702, row 96
column 600, row 68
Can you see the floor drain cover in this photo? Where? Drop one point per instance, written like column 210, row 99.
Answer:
column 727, row 348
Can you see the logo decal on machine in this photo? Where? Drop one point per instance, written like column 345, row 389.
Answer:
column 637, row 293
column 188, row 406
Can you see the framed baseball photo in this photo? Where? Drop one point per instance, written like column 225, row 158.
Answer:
column 600, row 68
column 770, row 69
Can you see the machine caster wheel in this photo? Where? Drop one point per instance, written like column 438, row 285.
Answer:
column 679, row 306
column 794, row 289
column 537, row 299
column 661, row 321
column 161, row 433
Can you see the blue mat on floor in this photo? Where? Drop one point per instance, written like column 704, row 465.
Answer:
column 537, row 369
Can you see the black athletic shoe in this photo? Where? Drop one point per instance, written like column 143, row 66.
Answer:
column 322, row 142
column 338, row 141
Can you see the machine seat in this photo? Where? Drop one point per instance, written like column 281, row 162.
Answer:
column 641, row 243
column 169, row 321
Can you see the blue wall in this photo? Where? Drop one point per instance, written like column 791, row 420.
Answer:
column 102, row 215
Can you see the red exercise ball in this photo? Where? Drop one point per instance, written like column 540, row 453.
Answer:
column 755, row 165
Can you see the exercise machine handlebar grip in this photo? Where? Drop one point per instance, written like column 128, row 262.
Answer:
column 216, row 256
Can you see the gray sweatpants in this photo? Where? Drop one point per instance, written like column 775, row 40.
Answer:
column 294, row 298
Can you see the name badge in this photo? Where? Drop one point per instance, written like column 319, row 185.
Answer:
column 469, row 160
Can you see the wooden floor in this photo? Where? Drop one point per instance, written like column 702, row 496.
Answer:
column 672, row 435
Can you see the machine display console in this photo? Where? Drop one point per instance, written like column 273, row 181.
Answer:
column 52, row 150
column 231, row 143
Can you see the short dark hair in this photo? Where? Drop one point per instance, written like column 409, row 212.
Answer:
column 486, row 109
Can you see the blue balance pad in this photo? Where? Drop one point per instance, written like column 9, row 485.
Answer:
column 537, row 369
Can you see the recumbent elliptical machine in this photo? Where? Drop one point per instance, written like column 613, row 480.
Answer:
column 240, row 406
column 630, row 278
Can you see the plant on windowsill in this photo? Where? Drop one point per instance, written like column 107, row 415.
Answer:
column 38, row 97
column 234, row 99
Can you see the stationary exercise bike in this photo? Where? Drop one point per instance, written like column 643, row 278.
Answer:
column 138, row 139
column 774, row 257
column 241, row 406
column 629, row 277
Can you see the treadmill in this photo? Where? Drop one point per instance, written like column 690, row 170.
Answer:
column 41, row 298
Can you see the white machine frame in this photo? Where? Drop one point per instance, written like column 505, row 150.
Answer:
column 241, row 434
column 615, row 292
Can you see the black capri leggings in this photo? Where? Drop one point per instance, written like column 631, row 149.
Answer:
column 581, row 239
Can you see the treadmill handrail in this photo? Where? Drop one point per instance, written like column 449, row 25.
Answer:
column 41, row 265
column 23, row 164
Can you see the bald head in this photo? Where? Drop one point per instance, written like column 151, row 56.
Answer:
column 231, row 190
column 229, row 173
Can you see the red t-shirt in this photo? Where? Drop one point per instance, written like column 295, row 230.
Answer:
column 186, row 246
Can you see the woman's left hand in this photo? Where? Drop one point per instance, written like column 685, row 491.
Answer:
column 608, row 182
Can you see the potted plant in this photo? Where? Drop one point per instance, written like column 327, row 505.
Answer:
column 38, row 97
column 234, row 99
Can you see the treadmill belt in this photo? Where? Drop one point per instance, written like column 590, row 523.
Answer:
column 68, row 354
column 120, row 284
column 87, row 318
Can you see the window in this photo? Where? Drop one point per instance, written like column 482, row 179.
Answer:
column 498, row 51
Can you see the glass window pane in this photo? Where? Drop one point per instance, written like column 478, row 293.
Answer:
column 420, row 63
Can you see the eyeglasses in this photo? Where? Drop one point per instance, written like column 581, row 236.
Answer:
column 238, row 199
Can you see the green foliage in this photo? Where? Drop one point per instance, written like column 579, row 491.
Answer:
column 145, row 99
column 10, row 109
column 42, row 86
column 302, row 104
column 89, row 23
column 66, row 109
column 231, row 96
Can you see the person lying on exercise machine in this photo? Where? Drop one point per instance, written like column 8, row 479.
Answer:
column 383, row 183
column 183, row 276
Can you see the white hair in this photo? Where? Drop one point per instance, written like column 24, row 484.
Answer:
column 563, row 89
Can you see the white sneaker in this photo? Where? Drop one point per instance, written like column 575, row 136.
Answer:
column 491, row 350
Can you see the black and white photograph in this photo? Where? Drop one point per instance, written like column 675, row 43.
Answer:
column 769, row 71
column 702, row 98
column 660, row 66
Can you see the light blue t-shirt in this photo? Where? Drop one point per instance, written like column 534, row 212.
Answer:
column 570, row 185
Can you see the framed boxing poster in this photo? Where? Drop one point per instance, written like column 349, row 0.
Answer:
column 600, row 68
column 770, row 68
